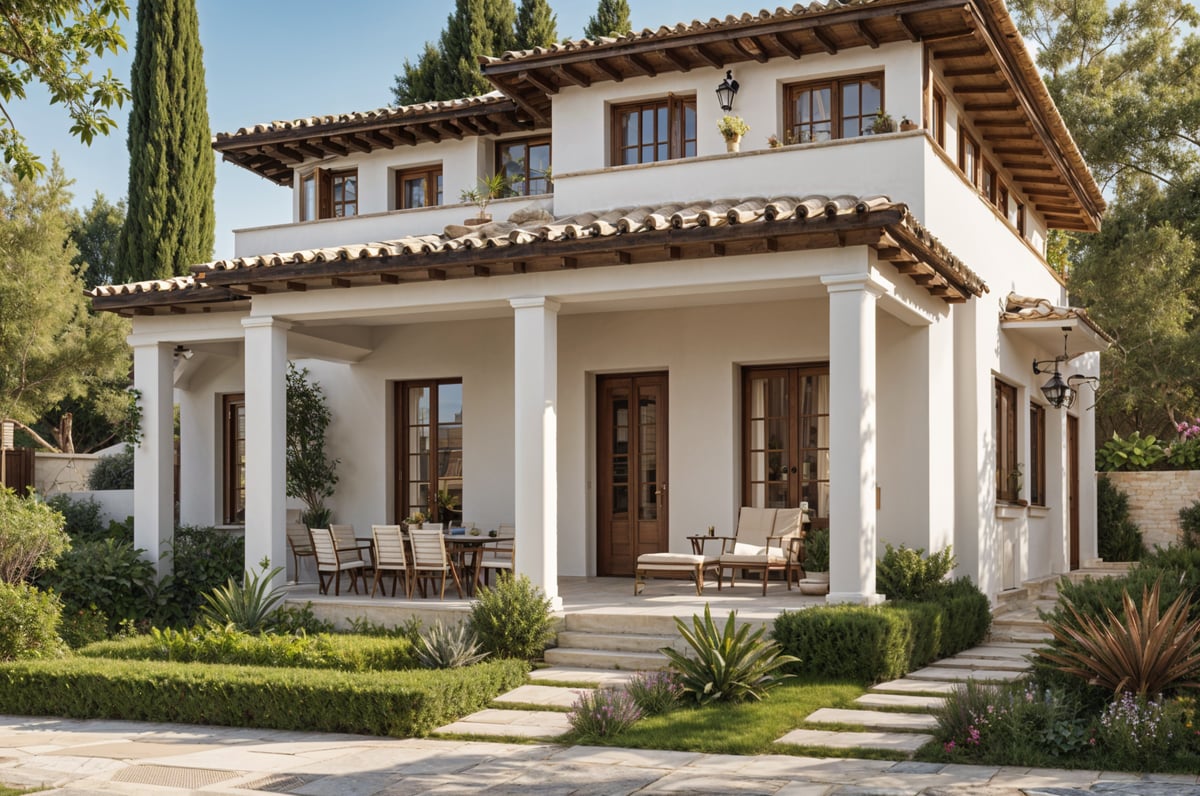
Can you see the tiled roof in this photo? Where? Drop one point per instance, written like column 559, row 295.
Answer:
column 403, row 112
column 1029, row 308
column 172, row 285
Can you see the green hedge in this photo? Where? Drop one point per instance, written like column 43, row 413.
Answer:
column 871, row 644
column 400, row 704
column 218, row 645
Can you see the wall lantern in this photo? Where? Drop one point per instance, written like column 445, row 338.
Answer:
column 726, row 91
column 1060, row 393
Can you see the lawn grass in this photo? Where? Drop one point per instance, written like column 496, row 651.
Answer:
column 7, row 791
column 749, row 728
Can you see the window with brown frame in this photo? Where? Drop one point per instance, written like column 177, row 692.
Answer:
column 525, row 164
column 648, row 132
column 838, row 108
column 308, row 197
column 1037, row 455
column 343, row 193
column 1020, row 222
column 988, row 182
column 1007, row 469
column 233, row 414
column 429, row 448
column 421, row 187
column 937, row 117
column 1002, row 202
column 328, row 194
column 968, row 155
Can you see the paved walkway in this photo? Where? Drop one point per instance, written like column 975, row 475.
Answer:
column 97, row 757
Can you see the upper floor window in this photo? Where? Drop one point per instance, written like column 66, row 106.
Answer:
column 937, row 117
column 646, row 132
column 989, row 184
column 1019, row 221
column 968, row 156
column 1003, row 203
column 308, row 196
column 419, row 187
column 343, row 193
column 525, row 164
column 328, row 194
column 1008, row 471
column 839, row 108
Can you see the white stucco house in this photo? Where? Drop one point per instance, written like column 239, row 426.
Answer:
column 655, row 331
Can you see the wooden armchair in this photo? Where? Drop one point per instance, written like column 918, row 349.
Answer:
column 330, row 566
column 349, row 547
column 300, row 544
column 501, row 555
column 757, row 546
column 390, row 557
column 430, row 558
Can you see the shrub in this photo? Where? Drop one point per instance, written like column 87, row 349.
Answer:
column 114, row 471
column 442, row 647
column 512, row 620
column 816, row 550
column 404, row 703
column 82, row 517
column 291, row 619
column 655, row 692
column 409, row 629
column 903, row 574
column 1135, row 731
column 968, row 616
column 228, row 645
column 31, row 537
column 83, row 626
column 29, row 622
column 1117, row 536
column 1189, row 524
column 1013, row 721
column 602, row 713
column 730, row 665
column 1134, row 452
column 202, row 560
column 247, row 608
column 112, row 576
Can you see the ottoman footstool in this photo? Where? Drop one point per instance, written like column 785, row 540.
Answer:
column 697, row 565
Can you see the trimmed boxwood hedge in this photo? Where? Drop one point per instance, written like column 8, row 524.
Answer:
column 871, row 644
column 400, row 704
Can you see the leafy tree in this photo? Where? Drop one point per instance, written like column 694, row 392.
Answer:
column 97, row 235
column 311, row 475
column 537, row 25
column 51, row 348
column 612, row 19
column 170, row 224
column 52, row 42
column 451, row 70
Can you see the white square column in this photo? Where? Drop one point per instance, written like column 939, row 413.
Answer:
column 852, row 438
column 266, row 439
column 535, row 375
column 154, row 456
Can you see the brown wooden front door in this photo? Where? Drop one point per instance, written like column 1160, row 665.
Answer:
column 631, row 468
column 1073, row 487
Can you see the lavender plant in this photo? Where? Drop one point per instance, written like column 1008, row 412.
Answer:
column 603, row 713
column 655, row 692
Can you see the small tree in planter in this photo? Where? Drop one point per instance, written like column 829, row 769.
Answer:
column 311, row 475
column 816, row 554
column 481, row 196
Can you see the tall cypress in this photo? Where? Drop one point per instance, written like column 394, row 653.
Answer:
column 537, row 25
column 612, row 19
column 170, row 221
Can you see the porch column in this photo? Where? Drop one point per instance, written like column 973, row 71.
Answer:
column 852, row 438
column 154, row 456
column 266, row 428
column 535, row 376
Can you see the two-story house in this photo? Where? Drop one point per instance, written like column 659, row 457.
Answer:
column 654, row 331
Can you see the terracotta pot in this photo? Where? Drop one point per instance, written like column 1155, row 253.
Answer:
column 909, row 125
column 478, row 221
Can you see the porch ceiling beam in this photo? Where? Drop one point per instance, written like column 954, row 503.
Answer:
column 334, row 147
column 823, row 39
column 705, row 55
column 357, row 143
column 870, row 38
column 640, row 64
column 991, row 107
column 906, row 26
column 677, row 60
column 572, row 75
column 610, row 70
column 972, row 51
column 991, row 88
column 781, row 41
column 535, row 78
column 969, row 71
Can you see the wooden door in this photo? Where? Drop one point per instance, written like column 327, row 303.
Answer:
column 631, row 470
column 1073, row 487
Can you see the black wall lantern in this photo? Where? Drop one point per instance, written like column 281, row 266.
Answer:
column 726, row 91
column 1060, row 393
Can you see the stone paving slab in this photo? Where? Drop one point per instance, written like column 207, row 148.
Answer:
column 945, row 673
column 907, row 742
column 575, row 674
column 874, row 719
column 1000, row 649
column 906, row 685
column 906, row 701
column 999, row 664
column 542, row 695
column 520, row 723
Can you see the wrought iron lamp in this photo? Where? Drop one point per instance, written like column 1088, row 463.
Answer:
column 726, row 91
column 1061, row 393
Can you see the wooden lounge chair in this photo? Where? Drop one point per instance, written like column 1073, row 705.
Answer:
column 390, row 557
column 763, row 543
column 329, row 565
column 430, row 558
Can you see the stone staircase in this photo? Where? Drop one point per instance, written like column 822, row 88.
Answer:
column 609, row 641
column 1016, row 618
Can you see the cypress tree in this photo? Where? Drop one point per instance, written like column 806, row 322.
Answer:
column 170, row 222
column 537, row 25
column 612, row 19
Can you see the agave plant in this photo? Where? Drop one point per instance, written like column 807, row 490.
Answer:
column 248, row 607
column 442, row 647
column 730, row 665
column 1143, row 652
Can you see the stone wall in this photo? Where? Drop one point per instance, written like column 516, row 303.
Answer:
column 1155, row 498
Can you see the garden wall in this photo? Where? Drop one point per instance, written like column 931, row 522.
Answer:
column 115, row 504
column 54, row 473
column 1155, row 498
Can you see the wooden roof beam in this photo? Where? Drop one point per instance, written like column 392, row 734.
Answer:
column 334, row 147
column 677, row 60
column 870, row 38
column 641, row 65
column 447, row 130
column 608, row 69
column 990, row 88
column 991, row 107
column 755, row 47
column 1018, row 150
column 382, row 140
column 748, row 51
column 975, row 51
column 425, row 133
column 288, row 153
column 969, row 71
column 705, row 55
column 357, row 143
column 535, row 79
column 529, row 108
column 571, row 75
column 1018, row 124
column 310, row 149
column 907, row 27
column 823, row 39
column 780, row 41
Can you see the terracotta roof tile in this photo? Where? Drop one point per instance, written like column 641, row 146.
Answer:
column 172, row 285
column 1030, row 308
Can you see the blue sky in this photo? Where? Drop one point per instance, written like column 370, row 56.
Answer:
column 283, row 59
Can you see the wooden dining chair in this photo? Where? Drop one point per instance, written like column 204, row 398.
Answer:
column 349, row 547
column 430, row 558
column 329, row 566
column 390, row 557
column 300, row 544
column 501, row 555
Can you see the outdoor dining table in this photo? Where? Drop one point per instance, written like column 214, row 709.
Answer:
column 458, row 545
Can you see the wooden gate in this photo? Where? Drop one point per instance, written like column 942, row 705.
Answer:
column 18, row 469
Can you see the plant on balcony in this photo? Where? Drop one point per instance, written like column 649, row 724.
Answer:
column 311, row 475
column 732, row 128
column 481, row 196
column 883, row 122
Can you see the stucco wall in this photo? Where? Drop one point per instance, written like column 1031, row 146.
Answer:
column 62, row 472
column 1155, row 499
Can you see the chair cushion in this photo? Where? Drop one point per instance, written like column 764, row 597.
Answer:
column 651, row 560
column 755, row 525
column 734, row 559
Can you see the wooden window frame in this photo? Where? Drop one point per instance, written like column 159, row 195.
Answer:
column 836, row 119
column 937, row 117
column 965, row 139
column 677, row 106
column 1005, row 420
column 231, row 468
column 1037, row 454
column 989, row 182
column 342, row 175
column 1003, row 200
column 401, row 403
column 1021, row 218
column 430, row 174
column 522, row 188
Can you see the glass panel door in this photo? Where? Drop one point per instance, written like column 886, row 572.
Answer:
column 429, row 450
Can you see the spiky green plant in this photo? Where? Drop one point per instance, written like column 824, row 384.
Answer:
column 1142, row 652
column 245, row 607
column 442, row 647
column 730, row 665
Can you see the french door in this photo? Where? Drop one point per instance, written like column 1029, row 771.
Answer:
column 631, row 446
column 785, row 438
column 429, row 423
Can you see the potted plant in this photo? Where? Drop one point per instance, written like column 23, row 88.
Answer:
column 773, row 141
column 448, row 506
column 311, row 475
column 816, row 555
column 732, row 129
column 1015, row 481
column 415, row 520
column 481, row 196
column 883, row 122
column 907, row 124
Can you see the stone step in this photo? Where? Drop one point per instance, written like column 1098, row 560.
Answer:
column 942, row 674
column 605, row 659
column 570, row 674
column 1020, row 636
column 618, row 642
column 998, row 664
column 905, row 701
column 905, row 742
column 510, row 723
column 545, row 695
column 647, row 624
column 1005, row 650
column 875, row 719
column 906, row 685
